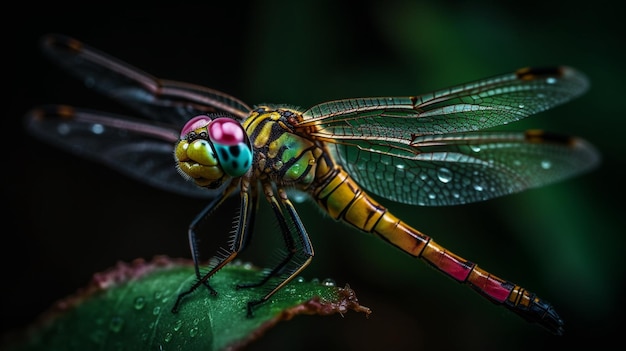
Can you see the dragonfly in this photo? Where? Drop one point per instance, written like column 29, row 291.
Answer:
column 424, row 150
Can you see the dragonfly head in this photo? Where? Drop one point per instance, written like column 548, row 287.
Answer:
column 211, row 149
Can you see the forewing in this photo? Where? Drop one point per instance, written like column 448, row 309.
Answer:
column 157, row 99
column 429, row 150
column 469, row 107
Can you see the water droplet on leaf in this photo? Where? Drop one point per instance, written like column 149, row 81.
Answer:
column 328, row 282
column 140, row 303
column 116, row 324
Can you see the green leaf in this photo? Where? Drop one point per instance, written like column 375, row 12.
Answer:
column 129, row 308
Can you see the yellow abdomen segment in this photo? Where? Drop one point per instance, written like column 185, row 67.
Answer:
column 344, row 200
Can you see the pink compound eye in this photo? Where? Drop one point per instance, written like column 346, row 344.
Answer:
column 225, row 131
column 194, row 123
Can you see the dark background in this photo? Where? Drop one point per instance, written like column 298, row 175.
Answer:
column 66, row 218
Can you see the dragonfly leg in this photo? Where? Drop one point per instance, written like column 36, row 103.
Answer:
column 236, row 245
column 289, row 267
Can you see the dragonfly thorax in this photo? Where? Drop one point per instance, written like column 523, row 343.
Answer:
column 281, row 152
column 212, row 149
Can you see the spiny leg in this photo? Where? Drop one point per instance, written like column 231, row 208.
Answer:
column 241, row 231
column 251, row 213
column 291, row 229
column 288, row 239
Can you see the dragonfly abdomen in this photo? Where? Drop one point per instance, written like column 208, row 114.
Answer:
column 344, row 200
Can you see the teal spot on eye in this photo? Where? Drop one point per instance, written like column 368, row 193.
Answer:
column 235, row 160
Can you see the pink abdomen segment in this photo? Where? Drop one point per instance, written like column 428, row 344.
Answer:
column 344, row 200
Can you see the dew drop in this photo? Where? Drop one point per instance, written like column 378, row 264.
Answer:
column 193, row 331
column 299, row 197
column 63, row 129
column 97, row 129
column 168, row 337
column 444, row 175
column 300, row 279
column 423, row 176
column 551, row 80
column 156, row 310
column 546, row 164
column 178, row 324
column 157, row 294
column 478, row 187
column 456, row 195
column 521, row 106
column 116, row 324
column 328, row 282
column 166, row 296
column 475, row 148
column 400, row 166
column 140, row 303
column 432, row 196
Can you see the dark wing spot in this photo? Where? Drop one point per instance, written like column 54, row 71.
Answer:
column 532, row 73
column 540, row 136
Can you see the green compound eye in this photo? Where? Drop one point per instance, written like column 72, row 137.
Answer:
column 231, row 145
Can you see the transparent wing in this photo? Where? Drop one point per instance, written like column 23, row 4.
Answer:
column 462, row 168
column 157, row 99
column 427, row 150
column 469, row 107
column 141, row 150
